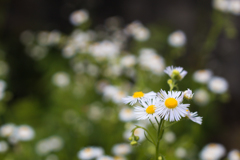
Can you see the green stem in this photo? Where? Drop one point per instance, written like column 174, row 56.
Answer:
column 152, row 139
column 159, row 136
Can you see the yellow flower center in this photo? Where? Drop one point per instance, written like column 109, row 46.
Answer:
column 171, row 103
column 138, row 94
column 151, row 109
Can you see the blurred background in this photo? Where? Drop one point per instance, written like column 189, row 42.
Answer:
column 65, row 65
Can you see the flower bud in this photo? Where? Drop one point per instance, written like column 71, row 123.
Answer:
column 130, row 138
column 188, row 94
column 134, row 143
column 160, row 158
column 136, row 138
column 176, row 75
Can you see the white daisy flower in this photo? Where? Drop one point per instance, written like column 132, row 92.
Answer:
column 7, row 130
column 212, row 151
column 188, row 94
column 78, row 17
column 234, row 155
column 90, row 153
column 181, row 152
column 175, row 72
column 193, row 116
column 171, row 107
column 148, row 110
column 137, row 96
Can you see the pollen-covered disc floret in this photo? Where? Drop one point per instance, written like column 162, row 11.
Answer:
column 193, row 116
column 148, row 110
column 137, row 97
column 175, row 72
column 171, row 107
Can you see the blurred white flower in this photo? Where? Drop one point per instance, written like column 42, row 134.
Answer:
column 104, row 50
column 128, row 61
column 69, row 51
column 151, row 61
column 121, row 149
column 169, row 137
column 105, row 158
column 42, row 38
column 180, row 152
column 90, row 153
column 78, row 17
column 202, row 76
column 45, row 146
column 234, row 155
column 212, row 151
column 177, row 39
column 126, row 114
column 61, row 79
column 201, row 97
column 92, row 70
column 218, row 85
column 7, row 130
column 95, row 113
column 24, row 133
column 54, row 37
column 37, row 52
column 138, row 31
column 3, row 146
column 231, row 6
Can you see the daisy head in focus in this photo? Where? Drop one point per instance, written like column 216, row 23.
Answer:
column 171, row 107
column 149, row 108
column 137, row 97
column 176, row 73
column 193, row 116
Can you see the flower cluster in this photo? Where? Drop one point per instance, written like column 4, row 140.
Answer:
column 168, row 105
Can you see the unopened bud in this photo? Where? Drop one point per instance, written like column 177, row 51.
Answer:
column 170, row 82
column 130, row 138
column 176, row 75
column 136, row 138
column 160, row 158
column 188, row 94
column 134, row 143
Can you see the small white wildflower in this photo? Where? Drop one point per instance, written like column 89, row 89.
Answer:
column 169, row 137
column 137, row 96
column 201, row 97
column 202, row 76
column 3, row 146
column 7, row 130
column 126, row 114
column 175, row 72
column 177, row 39
column 212, row 151
column 105, row 158
column 121, row 149
column 171, row 107
column 90, row 153
column 78, row 17
column 234, row 155
column 188, row 94
column 180, row 152
column 218, row 85
column 194, row 117
column 61, row 79
column 24, row 133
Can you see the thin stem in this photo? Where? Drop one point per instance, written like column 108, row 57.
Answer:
column 152, row 139
column 152, row 124
column 170, row 124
